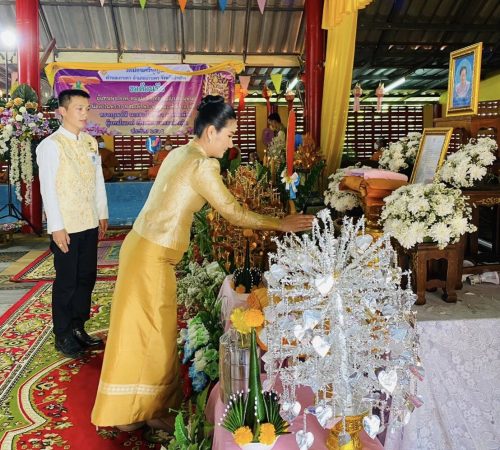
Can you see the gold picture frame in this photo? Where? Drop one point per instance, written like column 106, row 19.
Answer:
column 431, row 154
column 463, row 80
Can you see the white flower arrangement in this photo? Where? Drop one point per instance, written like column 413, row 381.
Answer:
column 341, row 201
column 417, row 212
column 20, row 123
column 401, row 154
column 192, row 289
column 468, row 164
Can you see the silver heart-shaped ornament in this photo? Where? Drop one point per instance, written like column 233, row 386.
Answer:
column 302, row 333
column 388, row 380
column 304, row 439
column 320, row 346
column 291, row 410
column 324, row 414
column 311, row 318
column 371, row 424
column 344, row 438
column 363, row 242
column 324, row 284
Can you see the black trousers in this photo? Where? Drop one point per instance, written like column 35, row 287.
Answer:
column 76, row 273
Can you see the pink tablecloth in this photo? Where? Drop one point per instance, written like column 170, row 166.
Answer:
column 223, row 440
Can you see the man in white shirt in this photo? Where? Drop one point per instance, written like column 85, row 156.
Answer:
column 74, row 198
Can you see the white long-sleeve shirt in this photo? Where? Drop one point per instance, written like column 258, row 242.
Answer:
column 47, row 158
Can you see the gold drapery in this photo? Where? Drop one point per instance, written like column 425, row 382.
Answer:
column 340, row 19
column 335, row 10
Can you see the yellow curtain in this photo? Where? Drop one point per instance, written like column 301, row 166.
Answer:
column 335, row 10
column 52, row 68
column 340, row 18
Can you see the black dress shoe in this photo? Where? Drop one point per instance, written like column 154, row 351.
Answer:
column 85, row 340
column 68, row 346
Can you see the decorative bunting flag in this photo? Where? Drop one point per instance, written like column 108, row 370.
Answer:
column 262, row 5
column 182, row 4
column 102, row 2
column 244, row 81
column 276, row 79
column 222, row 4
column 143, row 3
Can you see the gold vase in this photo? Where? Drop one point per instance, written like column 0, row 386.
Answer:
column 353, row 425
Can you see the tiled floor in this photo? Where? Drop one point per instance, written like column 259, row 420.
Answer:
column 14, row 256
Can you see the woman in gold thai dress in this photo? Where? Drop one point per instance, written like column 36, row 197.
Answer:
column 139, row 379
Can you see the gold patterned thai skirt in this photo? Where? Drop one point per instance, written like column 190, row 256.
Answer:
column 139, row 378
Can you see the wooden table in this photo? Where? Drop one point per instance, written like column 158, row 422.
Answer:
column 433, row 268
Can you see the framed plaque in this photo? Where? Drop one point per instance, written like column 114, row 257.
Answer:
column 431, row 154
column 463, row 80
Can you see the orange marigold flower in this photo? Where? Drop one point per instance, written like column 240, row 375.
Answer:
column 18, row 101
column 254, row 318
column 267, row 434
column 243, row 435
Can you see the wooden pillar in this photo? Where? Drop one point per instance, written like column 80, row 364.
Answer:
column 28, row 38
column 315, row 46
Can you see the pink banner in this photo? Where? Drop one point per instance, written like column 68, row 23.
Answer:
column 144, row 100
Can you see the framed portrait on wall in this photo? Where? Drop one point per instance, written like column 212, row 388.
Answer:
column 431, row 154
column 463, row 80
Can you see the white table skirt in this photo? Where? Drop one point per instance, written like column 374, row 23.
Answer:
column 461, row 389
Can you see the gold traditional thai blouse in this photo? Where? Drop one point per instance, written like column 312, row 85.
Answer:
column 188, row 179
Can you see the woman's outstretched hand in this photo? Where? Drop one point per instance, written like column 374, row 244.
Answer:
column 296, row 222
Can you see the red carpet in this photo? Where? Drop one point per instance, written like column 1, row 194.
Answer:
column 46, row 399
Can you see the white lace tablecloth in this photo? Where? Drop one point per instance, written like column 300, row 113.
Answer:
column 461, row 389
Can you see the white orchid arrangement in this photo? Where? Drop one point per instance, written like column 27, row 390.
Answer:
column 341, row 201
column 468, row 165
column 20, row 124
column 401, row 154
column 194, row 288
column 417, row 213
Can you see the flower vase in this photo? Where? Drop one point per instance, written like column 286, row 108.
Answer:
column 234, row 363
column 257, row 446
column 353, row 425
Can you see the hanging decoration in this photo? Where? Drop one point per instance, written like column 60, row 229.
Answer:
column 262, row 5
column 222, row 4
column 244, row 82
column 143, row 3
column 290, row 97
column 288, row 176
column 182, row 4
column 276, row 79
column 102, row 2
column 344, row 326
column 267, row 95
column 357, row 92
column 379, row 92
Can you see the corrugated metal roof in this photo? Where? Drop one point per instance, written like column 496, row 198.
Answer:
column 394, row 38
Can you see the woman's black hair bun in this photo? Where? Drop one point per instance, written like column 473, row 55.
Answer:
column 210, row 99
